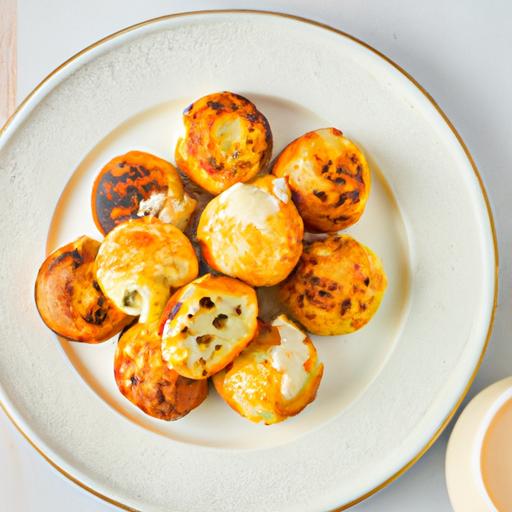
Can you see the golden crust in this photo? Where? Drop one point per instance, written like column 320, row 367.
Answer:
column 69, row 299
column 144, row 378
column 337, row 286
column 227, row 140
column 252, row 386
column 329, row 179
column 140, row 262
column 252, row 231
column 206, row 324
column 137, row 184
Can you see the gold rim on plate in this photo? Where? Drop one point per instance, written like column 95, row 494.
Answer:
column 448, row 418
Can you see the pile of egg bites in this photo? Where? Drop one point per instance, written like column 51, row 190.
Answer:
column 239, row 227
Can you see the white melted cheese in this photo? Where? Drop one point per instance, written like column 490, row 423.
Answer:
column 229, row 133
column 289, row 358
column 201, row 323
column 281, row 190
column 147, row 302
column 177, row 211
column 249, row 205
column 145, row 310
column 152, row 205
column 234, row 329
column 166, row 213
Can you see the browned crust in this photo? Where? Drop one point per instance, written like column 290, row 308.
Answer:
column 124, row 182
column 332, row 190
column 69, row 299
column 198, row 154
column 144, row 378
column 337, row 286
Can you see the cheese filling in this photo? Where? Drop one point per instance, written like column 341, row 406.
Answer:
column 145, row 302
column 169, row 209
column 229, row 133
column 206, row 330
column 249, row 205
column 281, row 190
column 289, row 358
column 152, row 205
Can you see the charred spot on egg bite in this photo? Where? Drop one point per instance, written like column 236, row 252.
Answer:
column 137, row 184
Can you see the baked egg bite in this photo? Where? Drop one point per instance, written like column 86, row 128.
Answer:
column 252, row 231
column 206, row 324
column 227, row 140
column 140, row 262
column 337, row 286
column 329, row 179
column 69, row 298
column 275, row 377
column 144, row 378
column 138, row 184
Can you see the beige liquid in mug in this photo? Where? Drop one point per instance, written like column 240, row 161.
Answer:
column 496, row 459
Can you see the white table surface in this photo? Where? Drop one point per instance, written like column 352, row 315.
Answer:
column 458, row 50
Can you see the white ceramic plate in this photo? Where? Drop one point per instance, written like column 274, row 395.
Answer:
column 388, row 390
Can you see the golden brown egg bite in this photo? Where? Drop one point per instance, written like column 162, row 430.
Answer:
column 145, row 379
column 138, row 184
column 69, row 299
column 275, row 377
column 329, row 179
column 206, row 324
column 337, row 286
column 252, row 231
column 140, row 262
column 227, row 140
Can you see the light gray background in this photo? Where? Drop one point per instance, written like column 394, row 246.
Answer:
column 460, row 51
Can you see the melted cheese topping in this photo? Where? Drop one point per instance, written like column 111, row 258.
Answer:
column 248, row 205
column 289, row 358
column 197, row 322
column 281, row 190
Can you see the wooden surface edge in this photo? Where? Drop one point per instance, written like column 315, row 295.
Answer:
column 7, row 59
